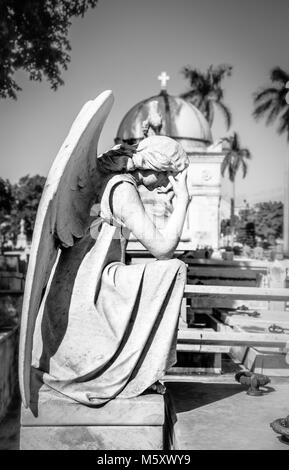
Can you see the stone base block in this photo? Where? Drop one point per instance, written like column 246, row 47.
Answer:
column 55, row 422
column 91, row 438
column 239, row 353
column 267, row 361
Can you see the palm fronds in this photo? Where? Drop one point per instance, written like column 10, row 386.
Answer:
column 270, row 101
column 236, row 157
column 206, row 92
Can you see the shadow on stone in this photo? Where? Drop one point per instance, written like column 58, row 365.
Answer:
column 189, row 396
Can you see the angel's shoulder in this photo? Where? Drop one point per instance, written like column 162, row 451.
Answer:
column 120, row 193
column 124, row 192
column 122, row 184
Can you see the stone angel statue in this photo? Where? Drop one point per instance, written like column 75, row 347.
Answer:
column 94, row 328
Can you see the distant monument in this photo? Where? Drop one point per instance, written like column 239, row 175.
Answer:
column 22, row 243
column 186, row 124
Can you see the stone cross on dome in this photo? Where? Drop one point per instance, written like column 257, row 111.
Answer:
column 164, row 78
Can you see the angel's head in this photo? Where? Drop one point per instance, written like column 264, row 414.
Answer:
column 150, row 162
column 156, row 157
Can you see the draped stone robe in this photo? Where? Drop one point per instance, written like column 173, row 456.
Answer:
column 106, row 329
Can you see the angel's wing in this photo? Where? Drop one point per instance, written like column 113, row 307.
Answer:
column 62, row 217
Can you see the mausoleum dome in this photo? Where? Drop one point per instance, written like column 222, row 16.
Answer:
column 181, row 120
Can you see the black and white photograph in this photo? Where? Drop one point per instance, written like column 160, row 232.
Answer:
column 144, row 228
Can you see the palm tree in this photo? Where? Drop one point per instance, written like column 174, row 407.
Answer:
column 206, row 92
column 271, row 103
column 235, row 158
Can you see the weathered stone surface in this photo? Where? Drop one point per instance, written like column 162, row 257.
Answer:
column 54, row 409
column 92, row 438
column 264, row 320
column 57, row 422
column 8, row 369
column 214, row 416
column 268, row 361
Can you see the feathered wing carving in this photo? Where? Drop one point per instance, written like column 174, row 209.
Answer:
column 63, row 216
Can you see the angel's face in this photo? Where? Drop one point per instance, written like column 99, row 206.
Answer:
column 154, row 179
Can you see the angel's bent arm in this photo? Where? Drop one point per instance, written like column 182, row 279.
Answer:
column 128, row 207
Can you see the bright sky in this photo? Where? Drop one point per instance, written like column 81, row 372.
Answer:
column 123, row 45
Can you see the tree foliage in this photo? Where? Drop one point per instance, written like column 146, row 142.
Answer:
column 33, row 37
column 206, row 92
column 6, row 198
column 270, row 101
column 6, row 207
column 236, row 157
column 264, row 220
column 269, row 220
column 27, row 195
column 20, row 201
column 245, row 230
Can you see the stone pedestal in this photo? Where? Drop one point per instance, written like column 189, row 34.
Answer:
column 55, row 422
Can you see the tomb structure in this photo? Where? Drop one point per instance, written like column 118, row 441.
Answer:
column 186, row 124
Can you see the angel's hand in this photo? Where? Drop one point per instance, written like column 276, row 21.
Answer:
column 180, row 187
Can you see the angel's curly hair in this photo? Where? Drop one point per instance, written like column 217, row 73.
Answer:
column 158, row 153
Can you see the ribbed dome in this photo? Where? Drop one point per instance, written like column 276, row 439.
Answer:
column 181, row 121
